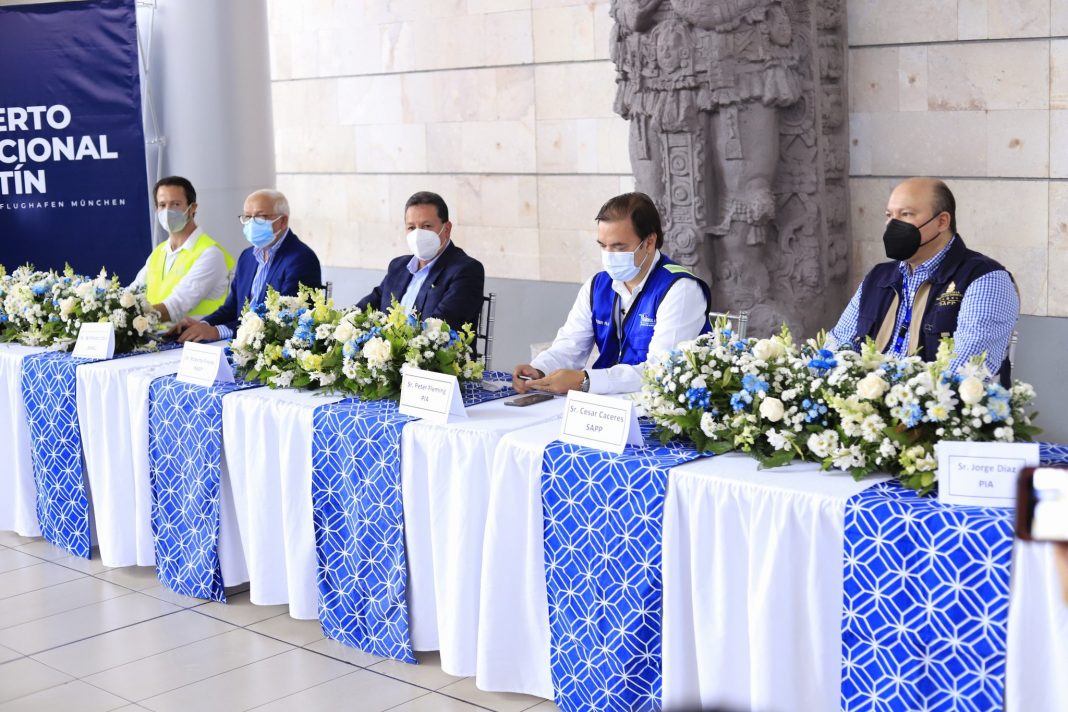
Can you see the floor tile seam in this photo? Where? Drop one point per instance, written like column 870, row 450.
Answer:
column 25, row 566
column 67, row 610
column 135, row 590
column 66, row 554
column 41, row 588
column 451, row 697
column 72, row 678
column 217, row 618
column 218, row 674
column 96, row 635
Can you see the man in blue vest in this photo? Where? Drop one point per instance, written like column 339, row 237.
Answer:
column 933, row 287
column 637, row 309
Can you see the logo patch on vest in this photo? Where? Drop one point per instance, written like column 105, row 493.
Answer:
column 647, row 321
column 951, row 297
column 601, row 322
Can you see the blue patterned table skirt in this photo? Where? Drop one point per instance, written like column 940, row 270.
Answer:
column 185, row 465
column 358, row 511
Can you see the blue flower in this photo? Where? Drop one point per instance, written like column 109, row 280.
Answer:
column 39, row 289
column 349, row 349
column 726, row 331
column 412, row 321
column 996, row 391
column 741, row 400
column 698, row 398
column 738, row 346
column 752, row 384
column 260, row 310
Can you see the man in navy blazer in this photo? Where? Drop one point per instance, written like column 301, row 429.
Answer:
column 277, row 258
column 438, row 279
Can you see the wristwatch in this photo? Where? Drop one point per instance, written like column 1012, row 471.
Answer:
column 585, row 387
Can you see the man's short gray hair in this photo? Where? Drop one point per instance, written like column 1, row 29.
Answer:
column 281, row 204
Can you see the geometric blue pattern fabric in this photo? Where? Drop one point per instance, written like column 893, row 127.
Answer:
column 926, row 600
column 49, row 389
column 185, row 468
column 603, row 533
column 925, row 605
column 358, row 514
column 50, row 392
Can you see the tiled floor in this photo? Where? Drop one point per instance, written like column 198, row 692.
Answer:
column 75, row 635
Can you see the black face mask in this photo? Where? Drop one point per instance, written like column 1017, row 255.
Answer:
column 901, row 240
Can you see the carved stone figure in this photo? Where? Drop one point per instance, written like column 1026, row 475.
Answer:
column 726, row 135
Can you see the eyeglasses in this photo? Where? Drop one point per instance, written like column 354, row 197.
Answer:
column 258, row 219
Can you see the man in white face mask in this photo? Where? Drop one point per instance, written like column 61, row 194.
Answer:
column 187, row 274
column 638, row 308
column 438, row 279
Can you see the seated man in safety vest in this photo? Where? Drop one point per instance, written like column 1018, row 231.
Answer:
column 637, row 309
column 189, row 273
column 276, row 258
column 934, row 286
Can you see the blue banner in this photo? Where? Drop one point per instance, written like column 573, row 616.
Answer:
column 73, row 185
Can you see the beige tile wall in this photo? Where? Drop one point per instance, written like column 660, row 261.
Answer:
column 504, row 107
column 975, row 91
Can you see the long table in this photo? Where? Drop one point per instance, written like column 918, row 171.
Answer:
column 753, row 561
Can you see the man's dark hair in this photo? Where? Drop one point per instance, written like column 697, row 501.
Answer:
column 944, row 202
column 178, row 182
column 425, row 197
column 639, row 209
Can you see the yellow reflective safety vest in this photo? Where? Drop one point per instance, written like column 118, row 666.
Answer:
column 159, row 284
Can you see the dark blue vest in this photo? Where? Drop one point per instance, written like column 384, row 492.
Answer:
column 960, row 267
column 640, row 320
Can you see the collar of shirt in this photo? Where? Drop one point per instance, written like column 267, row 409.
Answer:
column 413, row 264
column 187, row 245
column 265, row 255
column 620, row 288
column 922, row 273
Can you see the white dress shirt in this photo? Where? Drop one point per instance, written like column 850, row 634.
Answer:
column 680, row 317
column 207, row 278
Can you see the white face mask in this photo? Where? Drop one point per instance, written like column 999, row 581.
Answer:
column 424, row 244
column 620, row 265
column 172, row 219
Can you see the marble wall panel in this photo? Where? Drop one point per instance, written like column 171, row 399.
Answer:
column 977, row 76
column 563, row 34
column 1018, row 144
column 391, row 148
column 901, row 21
column 575, row 91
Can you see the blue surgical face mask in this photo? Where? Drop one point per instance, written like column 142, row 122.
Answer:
column 620, row 265
column 260, row 234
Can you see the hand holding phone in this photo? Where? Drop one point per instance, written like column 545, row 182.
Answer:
column 523, row 401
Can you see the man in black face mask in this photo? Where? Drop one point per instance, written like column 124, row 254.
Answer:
column 934, row 287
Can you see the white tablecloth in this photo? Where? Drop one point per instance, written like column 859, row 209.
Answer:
column 113, row 420
column 267, row 439
column 446, row 474
column 1036, row 675
column 752, row 564
column 513, row 624
column 18, row 491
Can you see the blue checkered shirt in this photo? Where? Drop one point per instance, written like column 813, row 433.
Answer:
column 988, row 313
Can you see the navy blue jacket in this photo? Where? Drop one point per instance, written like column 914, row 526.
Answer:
column 293, row 265
column 452, row 290
column 960, row 267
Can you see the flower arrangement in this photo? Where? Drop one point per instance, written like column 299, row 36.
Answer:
column 305, row 342
column 860, row 412
column 49, row 308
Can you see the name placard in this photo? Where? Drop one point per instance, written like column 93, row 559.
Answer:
column 204, row 365
column 600, row 422
column 430, row 396
column 95, row 340
column 982, row 474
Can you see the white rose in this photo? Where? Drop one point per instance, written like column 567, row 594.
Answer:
column 141, row 324
column 433, row 324
column 252, row 324
column 972, row 390
column 66, row 306
column 871, row 387
column 377, row 351
column 771, row 409
column 127, row 300
column 768, row 349
column 344, row 332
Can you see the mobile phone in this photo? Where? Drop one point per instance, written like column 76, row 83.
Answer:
column 1042, row 504
column 159, row 337
column 526, row 378
column 530, row 399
